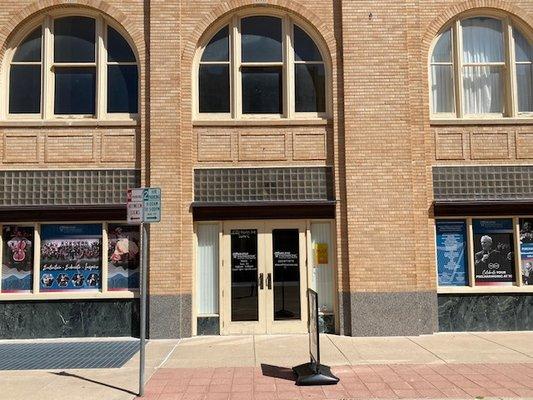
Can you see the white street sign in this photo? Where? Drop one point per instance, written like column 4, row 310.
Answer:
column 152, row 205
column 144, row 205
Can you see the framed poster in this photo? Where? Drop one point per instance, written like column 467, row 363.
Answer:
column 526, row 250
column 17, row 259
column 244, row 275
column 452, row 264
column 123, row 257
column 494, row 252
column 321, row 252
column 71, row 257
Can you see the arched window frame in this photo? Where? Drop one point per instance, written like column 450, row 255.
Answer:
column 288, row 62
column 46, row 21
column 510, row 106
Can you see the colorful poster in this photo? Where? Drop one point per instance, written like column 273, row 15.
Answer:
column 123, row 257
column 526, row 250
column 17, row 259
column 451, row 253
column 71, row 257
column 494, row 252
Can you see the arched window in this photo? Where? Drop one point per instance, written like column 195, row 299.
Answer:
column 261, row 65
column 481, row 66
column 73, row 66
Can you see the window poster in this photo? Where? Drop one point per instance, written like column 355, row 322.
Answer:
column 321, row 252
column 71, row 257
column 123, row 257
column 244, row 275
column 451, row 253
column 526, row 249
column 17, row 259
column 494, row 251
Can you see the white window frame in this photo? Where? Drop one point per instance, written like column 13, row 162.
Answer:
column 510, row 106
column 48, row 65
column 517, row 286
column 288, row 62
column 36, row 294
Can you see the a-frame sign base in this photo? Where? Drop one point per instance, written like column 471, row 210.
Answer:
column 309, row 375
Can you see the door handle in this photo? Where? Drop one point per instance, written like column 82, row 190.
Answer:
column 269, row 280
column 261, row 286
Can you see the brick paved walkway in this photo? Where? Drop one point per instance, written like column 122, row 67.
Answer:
column 433, row 381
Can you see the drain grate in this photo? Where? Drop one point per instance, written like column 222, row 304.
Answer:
column 66, row 355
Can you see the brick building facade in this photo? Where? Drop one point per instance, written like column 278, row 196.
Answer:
column 355, row 184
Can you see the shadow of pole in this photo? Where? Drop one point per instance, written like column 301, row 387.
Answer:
column 68, row 374
column 274, row 371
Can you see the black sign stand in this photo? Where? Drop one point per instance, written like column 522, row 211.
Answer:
column 313, row 373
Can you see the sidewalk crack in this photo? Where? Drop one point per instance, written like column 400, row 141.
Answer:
column 255, row 355
column 168, row 355
column 340, row 351
column 428, row 350
column 499, row 344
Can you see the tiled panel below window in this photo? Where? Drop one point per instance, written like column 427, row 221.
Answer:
column 469, row 183
column 66, row 187
column 263, row 184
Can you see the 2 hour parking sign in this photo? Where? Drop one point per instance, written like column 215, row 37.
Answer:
column 144, row 205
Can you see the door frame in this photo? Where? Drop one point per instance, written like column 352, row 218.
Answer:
column 266, row 323
column 221, row 314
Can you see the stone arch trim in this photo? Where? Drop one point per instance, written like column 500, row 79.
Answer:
column 451, row 12
column 97, row 5
column 291, row 6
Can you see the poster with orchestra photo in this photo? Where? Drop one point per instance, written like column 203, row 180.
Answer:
column 71, row 257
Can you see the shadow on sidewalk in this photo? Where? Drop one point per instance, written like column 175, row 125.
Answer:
column 68, row 374
column 274, row 371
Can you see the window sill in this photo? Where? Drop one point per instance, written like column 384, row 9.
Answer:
column 484, row 289
column 67, row 122
column 126, row 294
column 481, row 121
column 263, row 122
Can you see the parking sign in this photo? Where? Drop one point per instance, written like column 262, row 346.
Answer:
column 144, row 205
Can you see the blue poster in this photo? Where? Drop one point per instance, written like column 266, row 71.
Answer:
column 71, row 257
column 451, row 253
column 526, row 250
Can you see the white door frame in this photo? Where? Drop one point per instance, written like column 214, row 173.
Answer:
column 265, row 323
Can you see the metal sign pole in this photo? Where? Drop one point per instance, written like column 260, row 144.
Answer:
column 144, row 273
column 144, row 207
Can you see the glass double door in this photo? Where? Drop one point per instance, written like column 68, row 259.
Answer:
column 264, row 277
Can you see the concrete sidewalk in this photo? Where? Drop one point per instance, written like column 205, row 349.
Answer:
column 242, row 351
column 447, row 359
